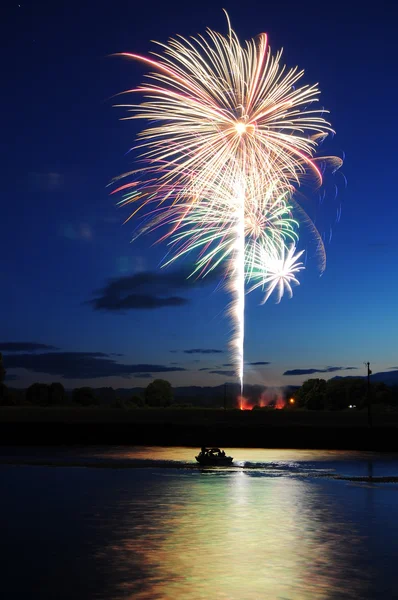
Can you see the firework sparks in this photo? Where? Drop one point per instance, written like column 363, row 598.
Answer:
column 231, row 136
column 276, row 271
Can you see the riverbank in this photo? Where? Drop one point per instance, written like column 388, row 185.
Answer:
column 191, row 427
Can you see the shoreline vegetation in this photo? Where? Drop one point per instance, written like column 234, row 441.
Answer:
column 331, row 415
column 332, row 430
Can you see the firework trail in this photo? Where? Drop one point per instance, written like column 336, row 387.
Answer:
column 230, row 137
column 239, row 227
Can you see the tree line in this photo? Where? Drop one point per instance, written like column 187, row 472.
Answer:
column 159, row 393
column 314, row 394
column 344, row 393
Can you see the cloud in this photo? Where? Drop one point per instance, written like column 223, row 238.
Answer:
column 303, row 371
column 226, row 373
column 259, row 362
column 24, row 347
column 143, row 291
column 137, row 302
column 205, row 369
column 143, row 376
column 250, row 363
column 80, row 365
column 203, row 351
column 311, row 371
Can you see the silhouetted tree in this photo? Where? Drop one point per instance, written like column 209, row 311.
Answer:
column 11, row 396
column 3, row 387
column 123, row 403
column 84, row 396
column 137, row 400
column 312, row 394
column 106, row 395
column 57, row 394
column 42, row 394
column 337, row 394
column 394, row 395
column 2, row 369
column 382, row 394
column 340, row 393
column 4, row 396
column 159, row 393
column 117, row 403
column 356, row 391
column 38, row 394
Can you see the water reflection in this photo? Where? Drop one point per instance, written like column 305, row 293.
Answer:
column 228, row 535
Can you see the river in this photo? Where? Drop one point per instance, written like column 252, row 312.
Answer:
column 149, row 524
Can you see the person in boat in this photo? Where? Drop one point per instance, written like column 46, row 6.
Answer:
column 204, row 451
column 215, row 452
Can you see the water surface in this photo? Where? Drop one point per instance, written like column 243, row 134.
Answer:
column 148, row 524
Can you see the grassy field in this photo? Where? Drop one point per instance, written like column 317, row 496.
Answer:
column 200, row 416
column 197, row 427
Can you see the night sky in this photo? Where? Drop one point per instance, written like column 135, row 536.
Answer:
column 66, row 261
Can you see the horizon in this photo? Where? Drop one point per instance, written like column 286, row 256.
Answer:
column 141, row 382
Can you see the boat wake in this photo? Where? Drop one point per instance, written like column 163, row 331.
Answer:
column 258, row 469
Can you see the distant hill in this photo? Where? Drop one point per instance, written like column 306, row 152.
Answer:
column 387, row 377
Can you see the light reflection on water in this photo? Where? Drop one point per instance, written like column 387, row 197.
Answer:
column 191, row 534
column 236, row 537
column 225, row 534
column 241, row 455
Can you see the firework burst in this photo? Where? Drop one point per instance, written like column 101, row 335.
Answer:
column 276, row 270
column 231, row 134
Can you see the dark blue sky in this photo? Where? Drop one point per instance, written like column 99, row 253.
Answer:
column 62, row 238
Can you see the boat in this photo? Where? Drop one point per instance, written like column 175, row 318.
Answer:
column 213, row 457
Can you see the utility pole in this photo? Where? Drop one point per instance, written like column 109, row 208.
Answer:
column 369, row 372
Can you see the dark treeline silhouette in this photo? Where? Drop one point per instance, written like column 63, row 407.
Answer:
column 344, row 393
column 3, row 388
column 158, row 394
column 337, row 394
column 315, row 415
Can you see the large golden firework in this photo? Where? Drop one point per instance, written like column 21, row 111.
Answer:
column 231, row 135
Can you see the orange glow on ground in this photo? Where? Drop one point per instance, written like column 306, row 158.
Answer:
column 243, row 403
column 267, row 399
